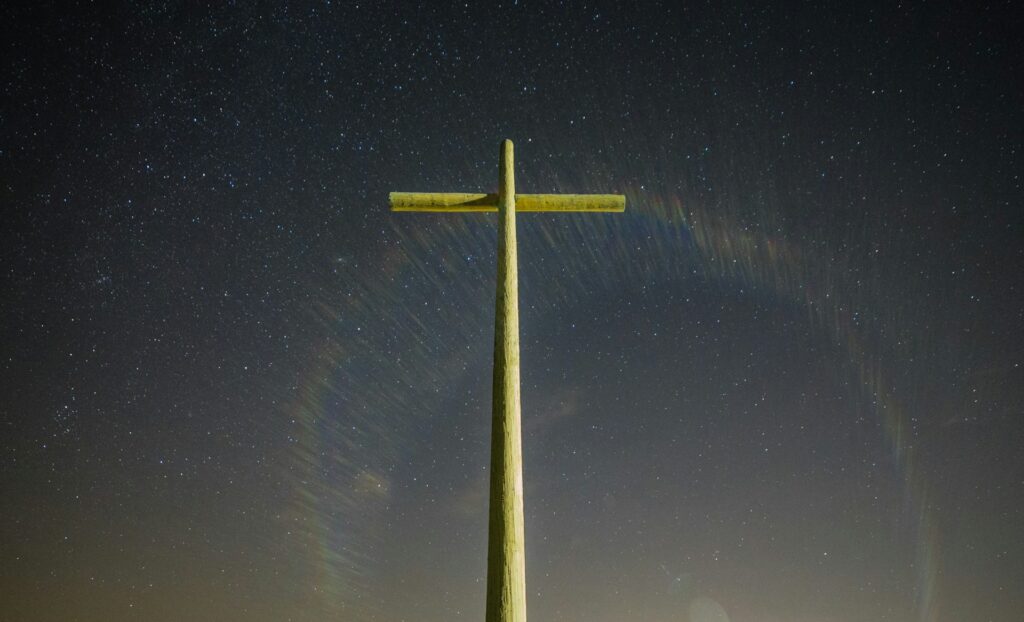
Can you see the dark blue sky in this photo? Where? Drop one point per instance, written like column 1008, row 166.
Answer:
column 785, row 385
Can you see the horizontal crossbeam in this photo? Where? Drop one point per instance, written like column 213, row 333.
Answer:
column 469, row 202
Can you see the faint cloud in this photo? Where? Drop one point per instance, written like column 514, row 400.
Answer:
column 470, row 501
column 563, row 405
column 372, row 484
column 703, row 609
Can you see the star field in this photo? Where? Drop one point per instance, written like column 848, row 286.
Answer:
column 784, row 385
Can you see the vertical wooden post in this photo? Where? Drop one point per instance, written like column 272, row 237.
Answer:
column 506, row 559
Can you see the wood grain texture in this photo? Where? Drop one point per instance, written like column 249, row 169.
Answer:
column 470, row 202
column 506, row 559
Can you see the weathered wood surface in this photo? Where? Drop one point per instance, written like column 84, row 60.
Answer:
column 470, row 202
column 506, row 558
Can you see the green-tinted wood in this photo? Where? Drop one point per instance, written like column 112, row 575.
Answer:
column 470, row 202
column 506, row 561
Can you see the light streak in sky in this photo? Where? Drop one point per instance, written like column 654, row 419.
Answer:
column 386, row 365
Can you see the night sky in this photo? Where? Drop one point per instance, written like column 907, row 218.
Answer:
column 785, row 385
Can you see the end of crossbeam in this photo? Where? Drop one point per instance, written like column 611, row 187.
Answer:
column 570, row 203
column 442, row 202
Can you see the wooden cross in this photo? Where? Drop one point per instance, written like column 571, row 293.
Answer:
column 506, row 561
